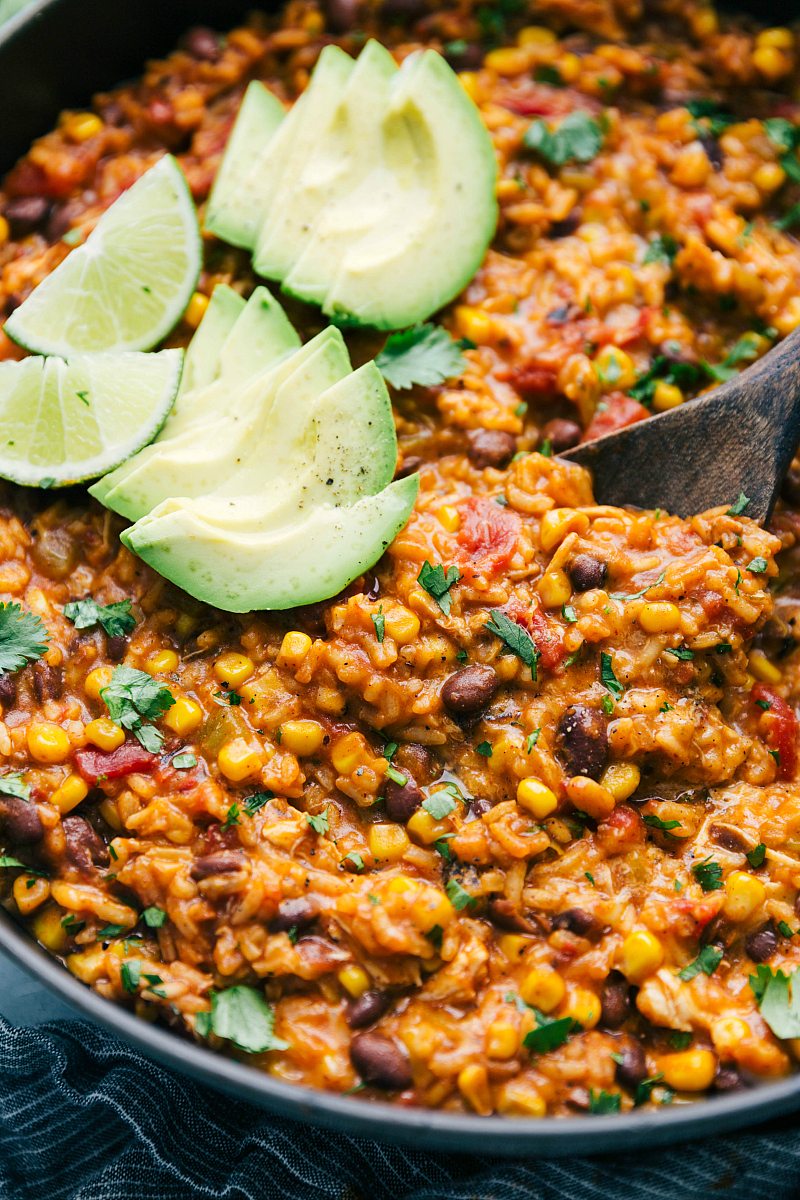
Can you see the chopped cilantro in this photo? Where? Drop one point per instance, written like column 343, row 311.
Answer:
column 438, row 581
column 785, row 929
column 23, row 637
column 778, row 1000
column 109, row 931
column 603, row 1102
column 531, row 740
column 258, row 799
column 114, row 619
column 547, row 73
column 607, row 705
column 397, row 776
column 656, row 823
column 241, row 1015
column 518, row 640
column 13, row 785
column 588, row 875
column 738, row 506
column 358, row 862
column 680, row 1039
column 184, row 761
column 757, row 565
column 320, row 822
column 644, row 1089
column 681, row 652
column 549, row 1034
column 484, row 748
column 685, row 375
column 458, row 896
column 130, row 974
column 757, row 855
column 706, row 963
column 789, row 218
column 578, row 138
column 642, row 591
column 231, row 817
column 568, row 613
column 379, row 621
column 439, row 805
column 607, row 676
column 420, row 357
column 154, row 917
column 708, row 874
column 663, row 248
column 132, row 697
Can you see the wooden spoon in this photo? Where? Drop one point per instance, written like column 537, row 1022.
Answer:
column 739, row 438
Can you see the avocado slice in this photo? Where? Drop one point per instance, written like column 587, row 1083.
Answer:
column 258, row 119
column 310, row 559
column 259, row 339
column 201, row 363
column 334, row 166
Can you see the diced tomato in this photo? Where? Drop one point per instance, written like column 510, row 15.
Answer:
column 780, row 728
column 488, row 533
column 622, row 831
column 533, row 381
column 711, row 602
column 546, row 634
column 620, row 410
column 533, row 99
column 128, row 758
column 174, row 780
column 26, row 179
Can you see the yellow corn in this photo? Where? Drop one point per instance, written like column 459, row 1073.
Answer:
column 294, row 648
column 743, row 895
column 195, row 310
column 422, row 826
column 431, row 908
column 536, row 798
column 184, row 716
column 569, row 67
column 660, row 616
column 543, row 988
column 614, row 368
column 70, row 794
column 47, row 742
column 302, row 738
column 162, row 662
column 779, row 36
column 772, row 62
column 519, row 1097
column 469, row 82
column 354, row 980
column 48, row 930
column 769, row 177
column 727, row 1034
column 641, row 954
column 238, row 761
column 473, row 1083
column 79, row 127
column 29, row 892
column 87, row 965
column 590, row 797
column 402, row 625
column 691, row 166
column 502, row 1040
column 233, row 669
column 96, row 680
column 387, row 843
column 398, row 885
column 5, row 231
column 689, row 1070
column 349, row 753
column 666, row 396
column 104, row 734
column 583, row 1006
column 535, row 35
column 621, row 780
column 554, row 589
column 557, row 523
column 762, row 668
column 449, row 517
column 513, row 945
column 476, row 325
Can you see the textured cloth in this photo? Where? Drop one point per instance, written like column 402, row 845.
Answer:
column 83, row 1117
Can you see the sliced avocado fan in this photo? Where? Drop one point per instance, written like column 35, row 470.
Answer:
column 374, row 198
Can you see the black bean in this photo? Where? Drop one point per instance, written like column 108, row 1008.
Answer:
column 583, row 740
column 342, row 14
column 587, row 572
column 633, row 1067
column 409, row 464
column 477, row 808
column 48, row 682
column 561, row 434
column 728, row 1079
column 380, row 1061
column 577, row 921
column 20, row 820
column 401, row 800
column 294, row 914
column 762, row 943
column 85, row 848
column 713, row 151
column 216, row 864
column 8, row 688
column 26, row 214
column 58, row 223
column 403, row 10
column 203, row 43
column 366, row 1009
column 465, row 58
column 117, row 647
column 560, row 229
column 615, row 1001
column 490, row 448
column 503, row 914
column 469, row 690
column 729, row 838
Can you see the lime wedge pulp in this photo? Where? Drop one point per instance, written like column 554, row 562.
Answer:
column 65, row 421
column 129, row 283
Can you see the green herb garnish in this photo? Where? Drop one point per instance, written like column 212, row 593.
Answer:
column 241, row 1015
column 518, row 640
column 23, row 637
column 437, row 582
column 578, row 138
column 132, row 698
column 706, row 963
column 420, row 357
column 116, row 620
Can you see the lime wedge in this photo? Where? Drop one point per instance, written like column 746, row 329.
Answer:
column 129, row 283
column 62, row 422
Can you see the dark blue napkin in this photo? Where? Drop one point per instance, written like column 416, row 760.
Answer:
column 84, row 1117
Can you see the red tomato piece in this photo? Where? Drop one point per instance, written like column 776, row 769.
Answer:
column 620, row 411
column 127, row 759
column 488, row 533
column 533, row 381
column 779, row 724
column 546, row 635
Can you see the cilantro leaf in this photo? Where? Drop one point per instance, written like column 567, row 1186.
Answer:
column 644, row 1089
column 642, row 591
column 569, row 614
column 379, row 621
column 437, row 582
column 778, row 1000
column 484, row 749
column 130, row 974
column 241, row 1015
column 757, row 565
column 231, row 817
column 685, row 375
column 114, row 619
column 738, row 506
column 420, row 357
column 607, row 676
column 23, row 637
column 578, row 138
column 13, row 785
column 132, row 697
column 681, row 652
column 320, row 822
column 757, row 855
column 531, row 740
column 708, row 874
column 706, row 963
column 518, row 640
column 355, row 858
column 550, row 1033
column 258, row 799
column 6, row 860
column 184, row 762
column 439, row 805
column 663, row 248
column 656, row 823
column 603, row 1102
column 154, row 917
column 458, row 896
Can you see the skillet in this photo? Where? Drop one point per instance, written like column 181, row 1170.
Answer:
column 55, row 55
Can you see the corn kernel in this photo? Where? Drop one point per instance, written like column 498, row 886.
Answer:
column 583, row 1006
column 431, row 908
column 402, row 625
column 667, row 396
column 513, row 945
column 5, row 231
column 473, row 1083
column 502, row 1040
column 771, row 62
column 535, row 35
column 449, row 517
column 614, row 368
column 87, row 965
column 70, row 794
column 233, row 669
column 640, row 955
column 79, row 127
column 195, row 310
column 621, row 779
column 302, row 737
column 387, row 843
column 238, row 761
column 557, row 523
column 727, row 1034
column 184, row 716
column 354, row 980
column 704, row 22
column 691, row 167
column 48, row 930
column 779, row 36
column 743, row 895
column 554, row 589
column 762, row 668
column 569, row 67
column 689, row 1071
column 507, row 61
column 423, row 828
column 590, row 797
column 104, row 734
column 96, row 680
column 162, row 662
column 517, row 1097
column 398, row 885
column 769, row 177
column 47, row 742
column 543, row 988
column 29, row 892
column 476, row 325
column 313, row 23
column 536, row 797
column 469, row 82
column 294, row 648
column 349, row 753
column 660, row 616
